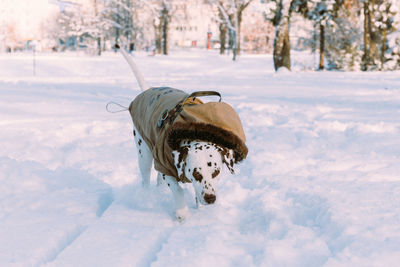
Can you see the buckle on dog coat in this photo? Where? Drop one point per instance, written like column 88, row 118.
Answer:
column 164, row 116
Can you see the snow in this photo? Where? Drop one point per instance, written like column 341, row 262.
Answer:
column 320, row 187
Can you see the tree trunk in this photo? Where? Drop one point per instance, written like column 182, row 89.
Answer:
column 164, row 23
column 373, row 37
column 232, row 36
column 222, row 33
column 321, row 46
column 128, row 24
column 282, row 47
column 116, row 35
column 239, row 20
column 281, row 53
column 157, row 31
column 383, row 48
column 99, row 46
column 165, row 37
column 98, row 38
column 222, row 38
column 117, row 20
column 365, row 57
column 239, row 25
column 234, row 46
column 370, row 39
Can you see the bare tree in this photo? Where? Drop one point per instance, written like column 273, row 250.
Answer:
column 165, row 19
column 323, row 13
column 223, row 30
column 162, row 12
column 280, row 15
column 370, row 37
column 230, row 12
column 120, row 14
column 378, row 23
column 85, row 24
column 98, row 21
column 281, row 22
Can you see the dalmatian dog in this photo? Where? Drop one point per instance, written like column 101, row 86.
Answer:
column 201, row 162
column 197, row 158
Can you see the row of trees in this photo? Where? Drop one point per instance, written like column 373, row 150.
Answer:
column 95, row 21
column 348, row 34
column 336, row 28
column 136, row 20
column 338, row 31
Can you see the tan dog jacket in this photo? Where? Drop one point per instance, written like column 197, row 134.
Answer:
column 214, row 122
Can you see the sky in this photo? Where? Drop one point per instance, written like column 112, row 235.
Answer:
column 26, row 15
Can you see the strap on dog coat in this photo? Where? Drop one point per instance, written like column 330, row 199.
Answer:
column 169, row 116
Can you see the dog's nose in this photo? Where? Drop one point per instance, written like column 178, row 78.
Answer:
column 209, row 198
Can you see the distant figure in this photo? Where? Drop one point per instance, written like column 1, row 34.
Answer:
column 131, row 47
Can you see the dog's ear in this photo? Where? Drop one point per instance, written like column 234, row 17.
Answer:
column 180, row 156
column 227, row 158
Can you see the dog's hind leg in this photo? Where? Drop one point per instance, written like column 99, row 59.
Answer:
column 145, row 157
column 181, row 209
column 160, row 178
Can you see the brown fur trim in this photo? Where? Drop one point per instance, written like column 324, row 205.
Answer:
column 208, row 133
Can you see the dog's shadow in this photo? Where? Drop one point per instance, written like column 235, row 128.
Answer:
column 151, row 199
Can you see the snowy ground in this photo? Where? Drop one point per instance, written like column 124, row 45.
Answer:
column 320, row 187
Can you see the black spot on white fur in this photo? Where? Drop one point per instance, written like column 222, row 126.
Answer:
column 215, row 173
column 197, row 175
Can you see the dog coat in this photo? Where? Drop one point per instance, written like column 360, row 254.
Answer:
column 165, row 116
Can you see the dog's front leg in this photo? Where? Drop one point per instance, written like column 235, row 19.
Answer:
column 181, row 209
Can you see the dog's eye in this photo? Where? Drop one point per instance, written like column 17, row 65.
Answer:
column 197, row 175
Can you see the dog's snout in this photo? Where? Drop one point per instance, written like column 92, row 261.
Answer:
column 209, row 198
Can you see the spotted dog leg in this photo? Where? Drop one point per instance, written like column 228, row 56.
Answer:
column 145, row 158
column 181, row 209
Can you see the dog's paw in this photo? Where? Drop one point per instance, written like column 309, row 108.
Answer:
column 181, row 214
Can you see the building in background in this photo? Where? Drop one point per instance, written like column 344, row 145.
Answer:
column 192, row 24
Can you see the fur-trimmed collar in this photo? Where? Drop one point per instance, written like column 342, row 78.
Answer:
column 206, row 132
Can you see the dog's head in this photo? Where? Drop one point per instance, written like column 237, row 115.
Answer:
column 201, row 163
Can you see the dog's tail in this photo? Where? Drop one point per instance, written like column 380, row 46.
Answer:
column 139, row 77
